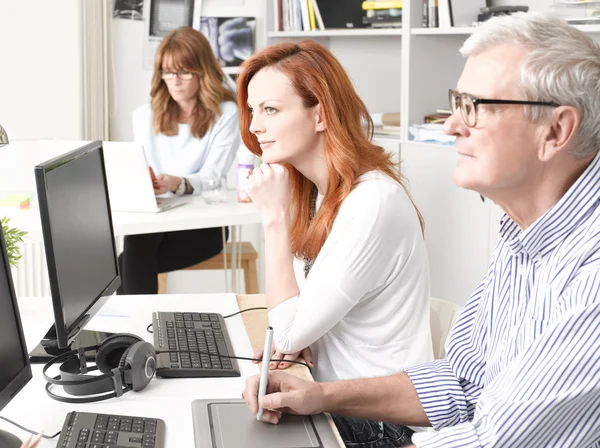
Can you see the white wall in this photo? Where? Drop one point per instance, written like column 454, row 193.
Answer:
column 40, row 71
column 130, row 88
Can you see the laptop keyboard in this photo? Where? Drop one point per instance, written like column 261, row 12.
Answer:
column 204, row 335
column 90, row 430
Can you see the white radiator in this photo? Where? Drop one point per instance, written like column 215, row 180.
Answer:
column 31, row 274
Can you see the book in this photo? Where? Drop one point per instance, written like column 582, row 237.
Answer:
column 382, row 4
column 305, row 15
column 433, row 14
column 445, row 14
column 311, row 15
column 436, row 118
column 318, row 15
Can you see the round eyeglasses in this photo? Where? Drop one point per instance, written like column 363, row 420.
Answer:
column 183, row 76
column 468, row 105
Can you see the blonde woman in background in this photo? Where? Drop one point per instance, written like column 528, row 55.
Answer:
column 189, row 130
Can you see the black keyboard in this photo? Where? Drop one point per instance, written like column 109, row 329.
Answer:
column 203, row 334
column 89, row 430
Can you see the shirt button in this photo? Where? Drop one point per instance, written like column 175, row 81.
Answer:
column 538, row 258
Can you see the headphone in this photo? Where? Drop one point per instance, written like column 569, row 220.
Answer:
column 125, row 360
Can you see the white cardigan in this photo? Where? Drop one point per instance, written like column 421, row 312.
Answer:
column 186, row 155
column 364, row 307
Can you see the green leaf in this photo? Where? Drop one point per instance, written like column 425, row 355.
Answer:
column 13, row 238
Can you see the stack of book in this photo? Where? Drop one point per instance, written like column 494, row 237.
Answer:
column 383, row 13
column 437, row 14
column 578, row 12
column 440, row 116
column 386, row 123
column 297, row 15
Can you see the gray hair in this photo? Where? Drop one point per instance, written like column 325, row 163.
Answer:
column 563, row 65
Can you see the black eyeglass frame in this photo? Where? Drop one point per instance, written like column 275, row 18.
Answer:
column 175, row 75
column 453, row 95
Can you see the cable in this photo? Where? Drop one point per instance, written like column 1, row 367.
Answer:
column 234, row 357
column 247, row 309
column 29, row 430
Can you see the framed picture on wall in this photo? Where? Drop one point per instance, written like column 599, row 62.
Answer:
column 231, row 38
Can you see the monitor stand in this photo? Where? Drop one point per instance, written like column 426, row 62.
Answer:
column 7, row 440
column 48, row 347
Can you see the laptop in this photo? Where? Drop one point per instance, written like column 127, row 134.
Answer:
column 129, row 180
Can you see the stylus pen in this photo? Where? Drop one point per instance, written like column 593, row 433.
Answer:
column 264, row 371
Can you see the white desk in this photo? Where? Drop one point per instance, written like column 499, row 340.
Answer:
column 168, row 399
column 194, row 215
column 18, row 159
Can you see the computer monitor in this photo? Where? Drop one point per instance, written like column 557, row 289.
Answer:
column 79, row 244
column 15, row 370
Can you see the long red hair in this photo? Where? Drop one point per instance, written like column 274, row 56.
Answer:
column 319, row 78
column 190, row 51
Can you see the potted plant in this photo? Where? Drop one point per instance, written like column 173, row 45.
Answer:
column 13, row 237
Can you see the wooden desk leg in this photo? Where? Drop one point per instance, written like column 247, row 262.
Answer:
column 250, row 277
column 234, row 251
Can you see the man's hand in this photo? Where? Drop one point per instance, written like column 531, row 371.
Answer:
column 306, row 354
column 165, row 183
column 285, row 393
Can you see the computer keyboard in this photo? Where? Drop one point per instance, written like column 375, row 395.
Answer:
column 89, row 430
column 202, row 332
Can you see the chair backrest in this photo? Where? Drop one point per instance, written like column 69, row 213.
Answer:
column 443, row 315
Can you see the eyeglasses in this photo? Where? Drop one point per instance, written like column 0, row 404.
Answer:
column 468, row 105
column 183, row 76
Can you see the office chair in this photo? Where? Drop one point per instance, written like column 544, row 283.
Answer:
column 443, row 314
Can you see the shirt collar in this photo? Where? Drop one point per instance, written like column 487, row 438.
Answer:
column 564, row 216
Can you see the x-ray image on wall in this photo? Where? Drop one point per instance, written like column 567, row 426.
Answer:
column 231, row 38
column 128, row 9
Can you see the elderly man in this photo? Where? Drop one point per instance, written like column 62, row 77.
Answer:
column 523, row 365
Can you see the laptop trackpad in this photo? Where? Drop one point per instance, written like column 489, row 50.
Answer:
column 233, row 425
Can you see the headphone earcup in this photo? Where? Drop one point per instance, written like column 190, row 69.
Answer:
column 123, row 360
column 139, row 361
column 111, row 351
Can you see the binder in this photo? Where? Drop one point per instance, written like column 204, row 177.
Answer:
column 345, row 14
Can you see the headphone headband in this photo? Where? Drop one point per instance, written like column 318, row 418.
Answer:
column 136, row 361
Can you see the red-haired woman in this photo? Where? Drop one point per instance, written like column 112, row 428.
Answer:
column 190, row 129
column 346, row 267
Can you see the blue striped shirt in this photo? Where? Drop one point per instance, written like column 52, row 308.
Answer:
column 523, row 365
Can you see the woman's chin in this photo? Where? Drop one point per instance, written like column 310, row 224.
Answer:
column 270, row 158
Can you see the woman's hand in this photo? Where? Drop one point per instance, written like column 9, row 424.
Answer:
column 306, row 354
column 32, row 443
column 269, row 188
column 165, row 183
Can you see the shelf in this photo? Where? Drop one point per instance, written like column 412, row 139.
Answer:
column 337, row 33
column 387, row 138
column 588, row 28
column 443, row 31
column 231, row 70
column 429, row 145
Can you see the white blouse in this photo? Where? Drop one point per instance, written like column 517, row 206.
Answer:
column 186, row 155
column 364, row 307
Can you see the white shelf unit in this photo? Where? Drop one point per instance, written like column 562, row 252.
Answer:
column 336, row 33
column 443, row 31
column 231, row 70
column 410, row 70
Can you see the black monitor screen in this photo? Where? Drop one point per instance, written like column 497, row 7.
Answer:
column 78, row 236
column 15, row 370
